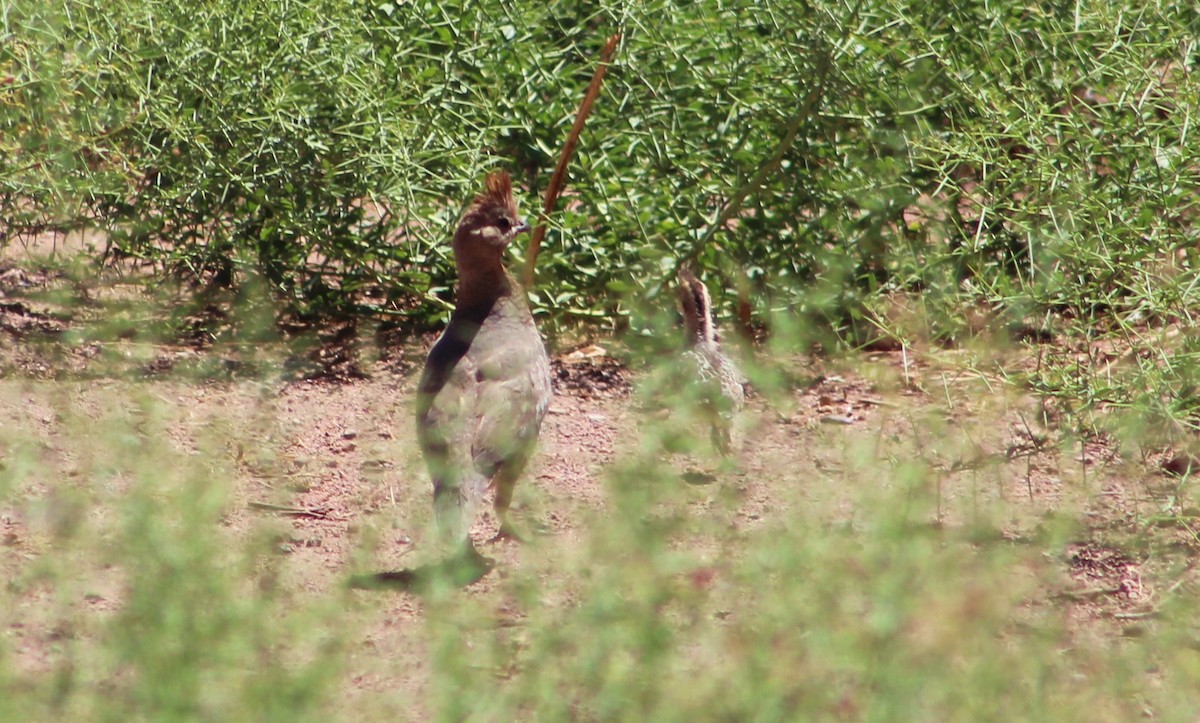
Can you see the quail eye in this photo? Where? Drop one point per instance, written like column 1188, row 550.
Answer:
column 503, row 224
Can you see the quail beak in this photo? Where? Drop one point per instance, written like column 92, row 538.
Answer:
column 521, row 227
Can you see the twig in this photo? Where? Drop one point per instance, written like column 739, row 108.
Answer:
column 1129, row 353
column 771, row 165
column 1086, row 594
column 1137, row 616
column 981, row 459
column 878, row 403
column 320, row 513
column 766, row 169
column 560, row 171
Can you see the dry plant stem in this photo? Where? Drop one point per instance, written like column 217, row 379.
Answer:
column 771, row 165
column 320, row 513
column 764, row 171
column 560, row 171
column 791, row 130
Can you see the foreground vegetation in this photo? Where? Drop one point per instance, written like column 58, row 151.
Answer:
column 863, row 571
column 1000, row 193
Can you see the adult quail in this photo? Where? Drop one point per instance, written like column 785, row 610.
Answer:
column 486, row 383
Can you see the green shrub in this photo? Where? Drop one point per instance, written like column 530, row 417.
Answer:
column 327, row 145
column 1037, row 160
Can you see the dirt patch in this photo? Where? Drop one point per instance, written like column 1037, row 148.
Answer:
column 318, row 431
column 1105, row 572
column 590, row 373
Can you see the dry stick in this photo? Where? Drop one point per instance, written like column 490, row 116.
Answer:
column 766, row 169
column 791, row 130
column 560, row 171
column 735, row 204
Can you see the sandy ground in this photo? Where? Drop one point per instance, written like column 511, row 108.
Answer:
column 330, row 456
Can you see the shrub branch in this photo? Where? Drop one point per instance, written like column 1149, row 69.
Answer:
column 560, row 171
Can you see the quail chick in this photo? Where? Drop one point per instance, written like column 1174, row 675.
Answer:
column 722, row 393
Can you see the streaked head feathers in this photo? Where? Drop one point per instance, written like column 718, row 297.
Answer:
column 493, row 216
column 696, row 306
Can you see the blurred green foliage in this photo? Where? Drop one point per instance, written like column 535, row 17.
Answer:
column 1035, row 160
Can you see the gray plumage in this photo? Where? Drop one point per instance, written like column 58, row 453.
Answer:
column 486, row 383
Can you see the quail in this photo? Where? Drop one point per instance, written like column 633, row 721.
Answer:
column 486, row 384
column 722, row 394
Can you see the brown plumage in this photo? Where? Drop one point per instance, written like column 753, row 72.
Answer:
column 486, row 383
column 722, row 394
